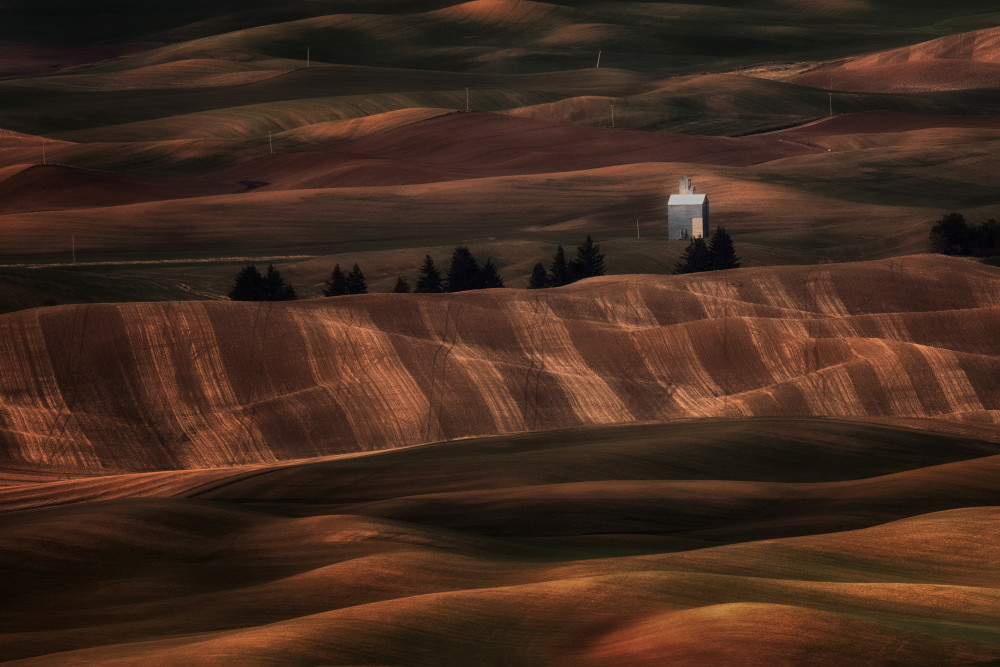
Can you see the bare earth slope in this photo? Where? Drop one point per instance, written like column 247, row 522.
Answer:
column 132, row 387
column 776, row 466
column 729, row 541
column 51, row 187
column 957, row 62
column 473, row 145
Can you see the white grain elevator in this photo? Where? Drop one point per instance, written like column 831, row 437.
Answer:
column 687, row 213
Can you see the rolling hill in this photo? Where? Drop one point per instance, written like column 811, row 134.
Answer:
column 794, row 462
column 957, row 62
column 164, row 153
column 139, row 387
column 728, row 540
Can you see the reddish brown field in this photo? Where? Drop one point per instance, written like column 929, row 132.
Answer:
column 478, row 145
column 55, row 187
column 137, row 387
column 770, row 541
column 957, row 62
column 20, row 58
column 435, row 178
column 795, row 462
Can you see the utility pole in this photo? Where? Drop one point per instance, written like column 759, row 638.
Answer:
column 612, row 114
column 467, row 108
column 830, row 89
column 637, row 229
column 598, row 60
column 307, row 57
column 270, row 145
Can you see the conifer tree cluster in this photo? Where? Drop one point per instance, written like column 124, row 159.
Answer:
column 464, row 273
column 589, row 262
column 250, row 285
column 953, row 235
column 340, row 283
column 716, row 255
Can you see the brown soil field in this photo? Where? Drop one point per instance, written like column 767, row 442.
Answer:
column 479, row 145
column 794, row 462
column 20, row 58
column 887, row 122
column 753, row 541
column 54, row 187
column 426, row 177
column 143, row 387
column 957, row 62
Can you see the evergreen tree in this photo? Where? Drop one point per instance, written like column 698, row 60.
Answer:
column 950, row 235
column 249, row 285
column 589, row 260
column 988, row 238
column 429, row 280
column 402, row 286
column 356, row 281
column 336, row 285
column 696, row 257
column 489, row 277
column 539, row 277
column 559, row 273
column 953, row 235
column 723, row 255
column 275, row 287
column 464, row 273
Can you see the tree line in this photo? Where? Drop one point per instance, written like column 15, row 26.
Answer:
column 250, row 285
column 953, row 235
column 589, row 262
column 464, row 273
column 717, row 254
column 340, row 283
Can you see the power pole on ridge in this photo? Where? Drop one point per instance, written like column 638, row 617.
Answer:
column 830, row 90
column 598, row 60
